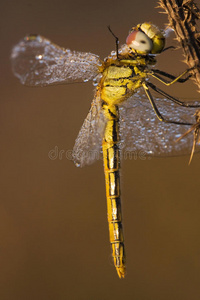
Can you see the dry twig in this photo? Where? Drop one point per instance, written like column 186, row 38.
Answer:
column 182, row 15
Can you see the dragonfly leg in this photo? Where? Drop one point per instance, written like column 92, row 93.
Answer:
column 158, row 114
column 170, row 76
column 171, row 98
column 174, row 79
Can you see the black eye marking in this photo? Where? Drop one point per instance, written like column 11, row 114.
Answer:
column 143, row 42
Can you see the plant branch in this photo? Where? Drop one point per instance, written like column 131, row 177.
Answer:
column 182, row 15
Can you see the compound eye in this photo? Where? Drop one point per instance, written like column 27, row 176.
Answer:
column 139, row 41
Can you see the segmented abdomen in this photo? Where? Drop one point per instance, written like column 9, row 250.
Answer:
column 111, row 155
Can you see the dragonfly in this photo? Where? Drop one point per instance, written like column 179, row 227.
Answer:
column 129, row 114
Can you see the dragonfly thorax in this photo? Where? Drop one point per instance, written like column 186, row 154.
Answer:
column 121, row 76
column 119, row 81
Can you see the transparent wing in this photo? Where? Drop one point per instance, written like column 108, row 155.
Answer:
column 87, row 146
column 140, row 129
column 38, row 62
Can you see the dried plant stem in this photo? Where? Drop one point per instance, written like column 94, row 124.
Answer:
column 182, row 15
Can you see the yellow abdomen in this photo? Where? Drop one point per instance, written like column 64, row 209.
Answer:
column 117, row 84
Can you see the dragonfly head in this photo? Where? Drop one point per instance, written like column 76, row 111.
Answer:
column 146, row 38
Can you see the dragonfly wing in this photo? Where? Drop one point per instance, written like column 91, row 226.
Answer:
column 38, row 62
column 87, row 146
column 140, row 129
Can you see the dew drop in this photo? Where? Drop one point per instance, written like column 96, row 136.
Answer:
column 40, row 56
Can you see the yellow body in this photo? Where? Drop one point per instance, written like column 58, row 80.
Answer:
column 119, row 81
column 122, row 76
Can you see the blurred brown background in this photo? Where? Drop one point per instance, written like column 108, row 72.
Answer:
column 53, row 227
